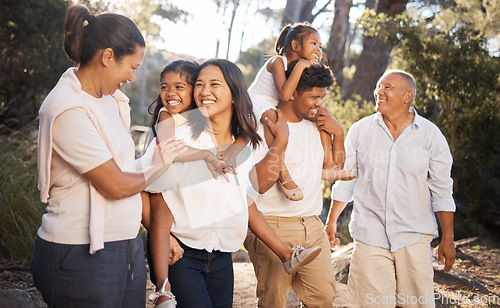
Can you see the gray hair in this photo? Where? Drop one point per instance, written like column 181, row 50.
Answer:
column 407, row 77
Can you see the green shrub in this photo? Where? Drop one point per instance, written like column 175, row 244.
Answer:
column 21, row 208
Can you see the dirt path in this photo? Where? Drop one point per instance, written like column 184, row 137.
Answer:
column 244, row 289
column 476, row 283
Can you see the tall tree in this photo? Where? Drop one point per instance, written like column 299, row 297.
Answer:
column 339, row 35
column 142, row 13
column 253, row 8
column 236, row 4
column 226, row 11
column 375, row 56
column 301, row 10
column 458, row 89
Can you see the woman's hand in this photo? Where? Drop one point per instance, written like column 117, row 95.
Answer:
column 167, row 151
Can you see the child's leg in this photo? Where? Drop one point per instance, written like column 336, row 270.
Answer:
column 289, row 187
column 331, row 170
column 161, row 223
column 293, row 258
column 327, row 143
column 146, row 209
column 261, row 229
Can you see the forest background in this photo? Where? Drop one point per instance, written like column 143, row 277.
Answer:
column 451, row 47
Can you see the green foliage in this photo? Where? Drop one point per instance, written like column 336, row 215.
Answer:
column 458, row 89
column 20, row 199
column 349, row 111
column 482, row 17
column 142, row 12
column 32, row 58
column 253, row 58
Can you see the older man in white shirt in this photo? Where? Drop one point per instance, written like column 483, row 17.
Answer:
column 403, row 166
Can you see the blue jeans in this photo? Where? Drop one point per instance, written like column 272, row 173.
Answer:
column 69, row 276
column 202, row 279
column 149, row 257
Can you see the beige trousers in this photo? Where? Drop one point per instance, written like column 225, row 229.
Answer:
column 314, row 284
column 381, row 278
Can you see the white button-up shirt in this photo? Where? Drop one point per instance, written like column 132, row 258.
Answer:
column 208, row 214
column 399, row 184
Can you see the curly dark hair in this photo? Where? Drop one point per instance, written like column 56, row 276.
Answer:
column 315, row 76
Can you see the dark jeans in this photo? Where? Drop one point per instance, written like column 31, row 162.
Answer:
column 69, row 276
column 202, row 279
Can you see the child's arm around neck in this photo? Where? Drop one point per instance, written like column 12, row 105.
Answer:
column 166, row 128
column 284, row 86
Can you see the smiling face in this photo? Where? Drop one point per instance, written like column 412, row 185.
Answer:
column 175, row 92
column 392, row 94
column 307, row 103
column 121, row 71
column 310, row 48
column 212, row 93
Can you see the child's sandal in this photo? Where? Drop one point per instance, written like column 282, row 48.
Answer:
column 295, row 194
column 170, row 303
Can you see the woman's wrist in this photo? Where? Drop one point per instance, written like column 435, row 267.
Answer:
column 206, row 154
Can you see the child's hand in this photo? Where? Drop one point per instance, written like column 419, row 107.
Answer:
column 327, row 122
column 307, row 63
column 176, row 251
column 229, row 158
column 216, row 166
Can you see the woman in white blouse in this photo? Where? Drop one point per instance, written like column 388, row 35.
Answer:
column 210, row 215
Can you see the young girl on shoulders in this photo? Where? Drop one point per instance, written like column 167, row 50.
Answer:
column 296, row 42
column 171, row 111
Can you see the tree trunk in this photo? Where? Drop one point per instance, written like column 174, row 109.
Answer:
column 339, row 34
column 236, row 3
column 245, row 18
column 298, row 11
column 370, row 4
column 375, row 56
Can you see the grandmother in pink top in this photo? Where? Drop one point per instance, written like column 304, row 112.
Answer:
column 87, row 251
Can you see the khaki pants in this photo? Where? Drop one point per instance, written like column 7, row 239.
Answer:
column 313, row 284
column 381, row 278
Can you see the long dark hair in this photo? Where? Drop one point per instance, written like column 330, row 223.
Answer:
column 188, row 70
column 243, row 120
column 289, row 33
column 86, row 34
